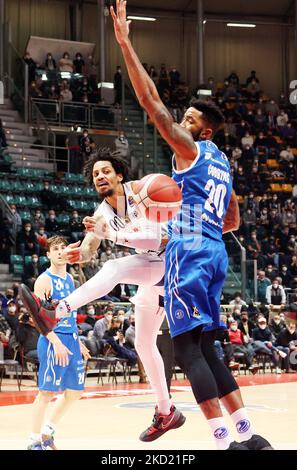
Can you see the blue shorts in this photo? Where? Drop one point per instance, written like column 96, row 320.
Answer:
column 55, row 378
column 193, row 284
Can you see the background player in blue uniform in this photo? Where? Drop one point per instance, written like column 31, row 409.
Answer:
column 196, row 259
column 60, row 353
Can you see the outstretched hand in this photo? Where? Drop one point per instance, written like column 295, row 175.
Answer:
column 120, row 23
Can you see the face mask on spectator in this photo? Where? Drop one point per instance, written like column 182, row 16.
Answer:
column 12, row 309
column 27, row 229
column 35, row 259
column 275, row 286
column 262, row 326
column 108, row 317
column 285, row 269
column 121, row 317
column 277, row 322
column 233, row 327
column 52, row 217
column 91, row 311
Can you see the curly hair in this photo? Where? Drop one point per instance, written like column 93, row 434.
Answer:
column 103, row 154
column 210, row 113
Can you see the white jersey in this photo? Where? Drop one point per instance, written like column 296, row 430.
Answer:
column 128, row 219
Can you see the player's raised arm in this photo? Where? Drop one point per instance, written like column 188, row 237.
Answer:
column 179, row 138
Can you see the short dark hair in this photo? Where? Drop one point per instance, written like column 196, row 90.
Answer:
column 102, row 154
column 210, row 113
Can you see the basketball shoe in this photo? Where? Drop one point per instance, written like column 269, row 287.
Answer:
column 35, row 445
column 48, row 442
column 162, row 423
column 257, row 442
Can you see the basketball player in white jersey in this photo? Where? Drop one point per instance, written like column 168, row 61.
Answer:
column 119, row 220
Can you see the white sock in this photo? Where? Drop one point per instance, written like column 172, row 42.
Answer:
column 220, row 433
column 164, row 407
column 35, row 437
column 48, row 429
column 242, row 424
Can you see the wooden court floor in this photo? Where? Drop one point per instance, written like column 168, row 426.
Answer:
column 112, row 417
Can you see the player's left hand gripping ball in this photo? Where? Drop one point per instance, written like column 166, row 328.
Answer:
column 42, row 313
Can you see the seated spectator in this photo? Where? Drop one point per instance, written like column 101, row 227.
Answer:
column 282, row 119
column 253, row 246
column 276, row 325
column 124, row 321
column 238, row 301
column 11, row 314
column 239, row 345
column 78, row 63
column 275, row 294
column 288, row 133
column 263, row 283
column 245, row 325
column 252, row 77
column 286, row 342
column 52, row 93
column 174, row 77
column 27, row 335
column 76, row 226
column 107, row 255
column 50, row 63
column 26, row 241
column 77, row 273
column 102, row 325
column 42, row 237
column 272, row 107
column 5, row 333
column 122, row 145
column 260, row 122
column 263, row 342
column 47, row 196
column 17, row 219
column 38, row 220
column 116, row 340
column 86, row 145
column 65, row 63
column 286, row 276
column 51, row 224
column 91, row 269
column 253, row 90
column 32, row 271
column 286, row 155
column 66, row 94
column 247, row 140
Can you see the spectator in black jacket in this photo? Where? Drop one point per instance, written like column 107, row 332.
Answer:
column 276, row 325
column 27, row 335
column 51, row 224
column 32, row 271
column 263, row 342
column 287, row 342
column 47, row 196
column 76, row 227
column 245, row 325
column 27, row 243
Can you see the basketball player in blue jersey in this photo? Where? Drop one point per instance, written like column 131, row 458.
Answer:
column 196, row 259
column 61, row 366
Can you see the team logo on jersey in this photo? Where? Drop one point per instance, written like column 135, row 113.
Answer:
column 221, row 433
column 58, row 382
column 208, row 155
column 59, row 285
column 131, row 201
column 179, row 314
column 65, row 322
column 196, row 313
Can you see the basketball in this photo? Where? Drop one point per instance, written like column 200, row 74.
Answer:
column 158, row 197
